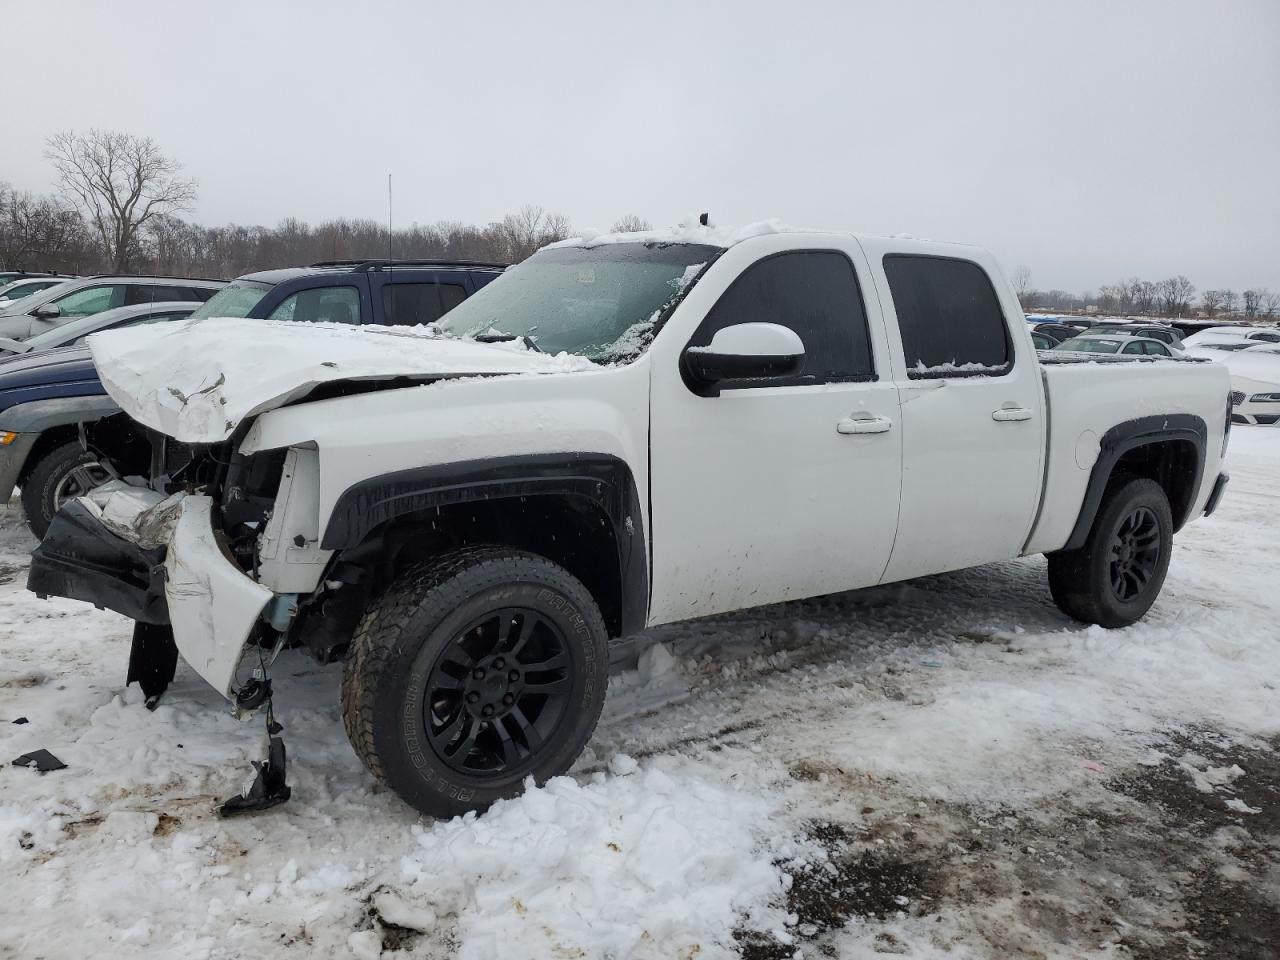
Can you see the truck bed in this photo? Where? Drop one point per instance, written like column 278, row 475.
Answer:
column 1088, row 394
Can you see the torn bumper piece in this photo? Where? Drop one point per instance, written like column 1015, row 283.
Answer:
column 81, row 559
column 162, row 564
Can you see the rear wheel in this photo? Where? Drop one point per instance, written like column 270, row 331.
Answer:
column 1116, row 576
column 476, row 670
column 62, row 474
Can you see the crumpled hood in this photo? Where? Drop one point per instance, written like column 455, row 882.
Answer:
column 196, row 380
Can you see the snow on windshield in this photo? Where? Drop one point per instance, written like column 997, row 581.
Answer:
column 599, row 302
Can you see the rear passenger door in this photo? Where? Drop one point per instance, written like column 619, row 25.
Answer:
column 414, row 299
column 340, row 299
column 973, row 423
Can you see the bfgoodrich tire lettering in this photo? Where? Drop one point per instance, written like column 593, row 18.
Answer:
column 476, row 669
column 1116, row 576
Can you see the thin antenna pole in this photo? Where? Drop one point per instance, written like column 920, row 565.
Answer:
column 391, row 263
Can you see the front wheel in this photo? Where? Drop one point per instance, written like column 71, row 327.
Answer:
column 62, row 474
column 477, row 669
column 1116, row 576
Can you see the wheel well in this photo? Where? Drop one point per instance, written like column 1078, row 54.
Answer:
column 1174, row 464
column 51, row 439
column 573, row 532
column 115, row 438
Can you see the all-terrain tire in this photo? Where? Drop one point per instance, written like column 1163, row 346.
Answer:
column 407, row 643
column 40, row 489
column 1090, row 584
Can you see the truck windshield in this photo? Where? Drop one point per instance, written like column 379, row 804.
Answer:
column 236, row 299
column 599, row 302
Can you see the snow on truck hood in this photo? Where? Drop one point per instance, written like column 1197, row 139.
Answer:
column 196, row 380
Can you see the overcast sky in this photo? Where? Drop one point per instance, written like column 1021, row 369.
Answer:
column 1087, row 140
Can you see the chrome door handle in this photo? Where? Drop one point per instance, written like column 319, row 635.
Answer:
column 1006, row 414
column 864, row 425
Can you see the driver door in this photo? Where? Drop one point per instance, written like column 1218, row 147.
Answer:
column 776, row 489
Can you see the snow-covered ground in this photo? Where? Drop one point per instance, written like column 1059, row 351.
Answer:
column 945, row 768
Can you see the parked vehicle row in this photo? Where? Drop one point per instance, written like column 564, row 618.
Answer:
column 46, row 398
column 617, row 433
column 25, row 286
column 81, row 297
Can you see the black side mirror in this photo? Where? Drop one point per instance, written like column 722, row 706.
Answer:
column 746, row 351
column 48, row 311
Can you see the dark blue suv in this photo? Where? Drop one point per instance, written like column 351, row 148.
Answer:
column 61, row 435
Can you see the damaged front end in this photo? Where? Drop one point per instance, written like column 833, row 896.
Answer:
column 164, row 556
column 180, row 558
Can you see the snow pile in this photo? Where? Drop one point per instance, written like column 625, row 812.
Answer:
column 195, row 380
column 687, row 231
column 638, row 865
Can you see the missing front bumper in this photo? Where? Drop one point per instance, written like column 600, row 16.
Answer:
column 187, row 582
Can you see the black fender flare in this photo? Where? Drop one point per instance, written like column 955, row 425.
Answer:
column 602, row 479
column 1130, row 435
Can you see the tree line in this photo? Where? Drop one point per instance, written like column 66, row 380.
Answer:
column 120, row 196
column 1172, row 297
column 44, row 233
column 118, row 206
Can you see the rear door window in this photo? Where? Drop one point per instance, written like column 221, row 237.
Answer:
column 1134, row 347
column 410, row 304
column 320, row 304
column 816, row 294
column 155, row 293
column 949, row 316
column 90, row 300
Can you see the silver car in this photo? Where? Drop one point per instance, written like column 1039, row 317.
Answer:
column 74, row 331
column 59, row 304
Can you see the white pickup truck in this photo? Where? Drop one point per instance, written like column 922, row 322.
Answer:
column 621, row 431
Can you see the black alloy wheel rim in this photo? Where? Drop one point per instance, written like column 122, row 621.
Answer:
column 1134, row 554
column 498, row 692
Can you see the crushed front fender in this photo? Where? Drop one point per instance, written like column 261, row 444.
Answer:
column 213, row 605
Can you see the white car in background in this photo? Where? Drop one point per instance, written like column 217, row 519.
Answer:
column 1119, row 343
column 18, row 289
column 1232, row 335
column 1255, row 383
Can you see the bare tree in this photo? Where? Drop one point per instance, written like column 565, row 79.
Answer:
column 631, row 224
column 122, row 182
column 1251, row 298
column 1022, row 285
column 1211, row 302
column 529, row 228
column 1268, row 302
column 1143, row 296
column 39, row 233
column 1229, row 298
column 1175, row 295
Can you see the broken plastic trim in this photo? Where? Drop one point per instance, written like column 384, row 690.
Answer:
column 267, row 788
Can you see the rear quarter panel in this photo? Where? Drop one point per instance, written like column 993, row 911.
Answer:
column 1085, row 400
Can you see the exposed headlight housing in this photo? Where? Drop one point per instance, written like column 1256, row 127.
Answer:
column 1265, row 398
